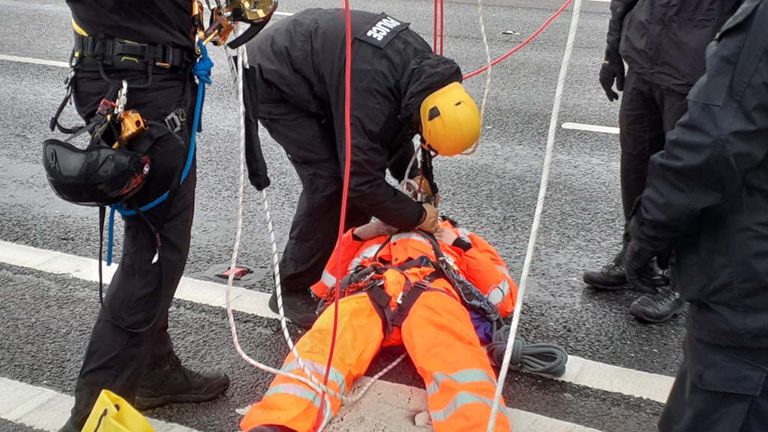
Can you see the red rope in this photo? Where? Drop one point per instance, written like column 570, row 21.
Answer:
column 442, row 25
column 434, row 26
column 527, row 40
column 344, row 193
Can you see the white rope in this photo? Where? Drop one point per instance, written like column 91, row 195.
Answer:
column 233, row 262
column 489, row 67
column 310, row 379
column 537, row 214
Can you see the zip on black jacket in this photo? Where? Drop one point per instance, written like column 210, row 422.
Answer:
column 393, row 70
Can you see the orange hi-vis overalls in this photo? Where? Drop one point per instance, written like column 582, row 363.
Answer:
column 437, row 332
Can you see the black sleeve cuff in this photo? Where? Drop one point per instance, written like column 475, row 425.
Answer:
column 462, row 244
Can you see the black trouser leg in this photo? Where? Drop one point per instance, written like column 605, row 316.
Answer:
column 132, row 325
column 718, row 389
column 309, row 143
column 648, row 112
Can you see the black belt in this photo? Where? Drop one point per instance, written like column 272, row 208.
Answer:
column 92, row 53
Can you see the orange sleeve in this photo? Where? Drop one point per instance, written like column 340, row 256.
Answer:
column 488, row 272
column 342, row 255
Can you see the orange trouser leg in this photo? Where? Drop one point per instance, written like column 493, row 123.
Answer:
column 294, row 404
column 439, row 336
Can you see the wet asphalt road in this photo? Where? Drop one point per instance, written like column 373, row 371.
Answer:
column 45, row 319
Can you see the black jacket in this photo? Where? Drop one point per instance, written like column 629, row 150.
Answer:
column 664, row 40
column 166, row 22
column 393, row 70
column 707, row 192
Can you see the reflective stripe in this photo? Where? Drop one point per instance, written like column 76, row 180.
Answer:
column 295, row 390
column 328, row 279
column 460, row 401
column 319, row 370
column 410, row 236
column 465, row 376
column 503, row 270
column 79, row 30
column 498, row 292
column 366, row 254
column 464, row 235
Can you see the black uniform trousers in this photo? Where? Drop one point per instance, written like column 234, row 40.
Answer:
column 648, row 111
column 309, row 141
column 131, row 330
column 718, row 389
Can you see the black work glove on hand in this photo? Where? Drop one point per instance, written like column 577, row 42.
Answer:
column 612, row 70
column 254, row 158
column 637, row 260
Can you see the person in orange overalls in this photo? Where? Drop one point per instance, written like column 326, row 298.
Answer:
column 396, row 291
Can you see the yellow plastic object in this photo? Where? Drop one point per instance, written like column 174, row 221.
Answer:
column 111, row 413
column 450, row 120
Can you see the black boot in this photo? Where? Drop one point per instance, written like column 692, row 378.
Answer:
column 298, row 307
column 611, row 277
column 658, row 307
column 171, row 382
column 271, row 428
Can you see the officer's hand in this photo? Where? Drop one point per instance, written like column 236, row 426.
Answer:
column 612, row 70
column 372, row 229
column 637, row 260
column 429, row 221
column 446, row 235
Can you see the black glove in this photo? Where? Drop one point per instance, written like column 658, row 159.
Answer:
column 612, row 70
column 254, row 158
column 637, row 263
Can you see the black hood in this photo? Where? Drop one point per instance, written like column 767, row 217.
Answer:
column 426, row 74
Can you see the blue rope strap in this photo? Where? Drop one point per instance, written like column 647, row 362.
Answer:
column 202, row 71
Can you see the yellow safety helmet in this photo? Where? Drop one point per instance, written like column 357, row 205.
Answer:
column 450, row 120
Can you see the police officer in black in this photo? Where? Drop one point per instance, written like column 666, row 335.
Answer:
column 150, row 45
column 296, row 88
column 663, row 44
column 707, row 201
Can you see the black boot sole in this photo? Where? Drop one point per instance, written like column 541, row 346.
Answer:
column 151, row 402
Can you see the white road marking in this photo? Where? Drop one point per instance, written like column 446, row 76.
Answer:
column 580, row 371
column 388, row 407
column 30, row 60
column 591, row 128
column 47, row 410
column 291, row 13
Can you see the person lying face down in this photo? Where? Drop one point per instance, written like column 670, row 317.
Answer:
column 436, row 295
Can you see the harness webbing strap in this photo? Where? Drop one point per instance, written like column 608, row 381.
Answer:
column 408, row 300
column 380, row 300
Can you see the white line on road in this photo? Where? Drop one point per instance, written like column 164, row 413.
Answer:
column 591, row 128
column 387, row 407
column 30, row 60
column 47, row 410
column 579, row 371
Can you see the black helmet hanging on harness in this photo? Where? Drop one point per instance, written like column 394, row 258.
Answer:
column 96, row 176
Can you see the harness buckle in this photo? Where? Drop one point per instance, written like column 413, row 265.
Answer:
column 175, row 120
